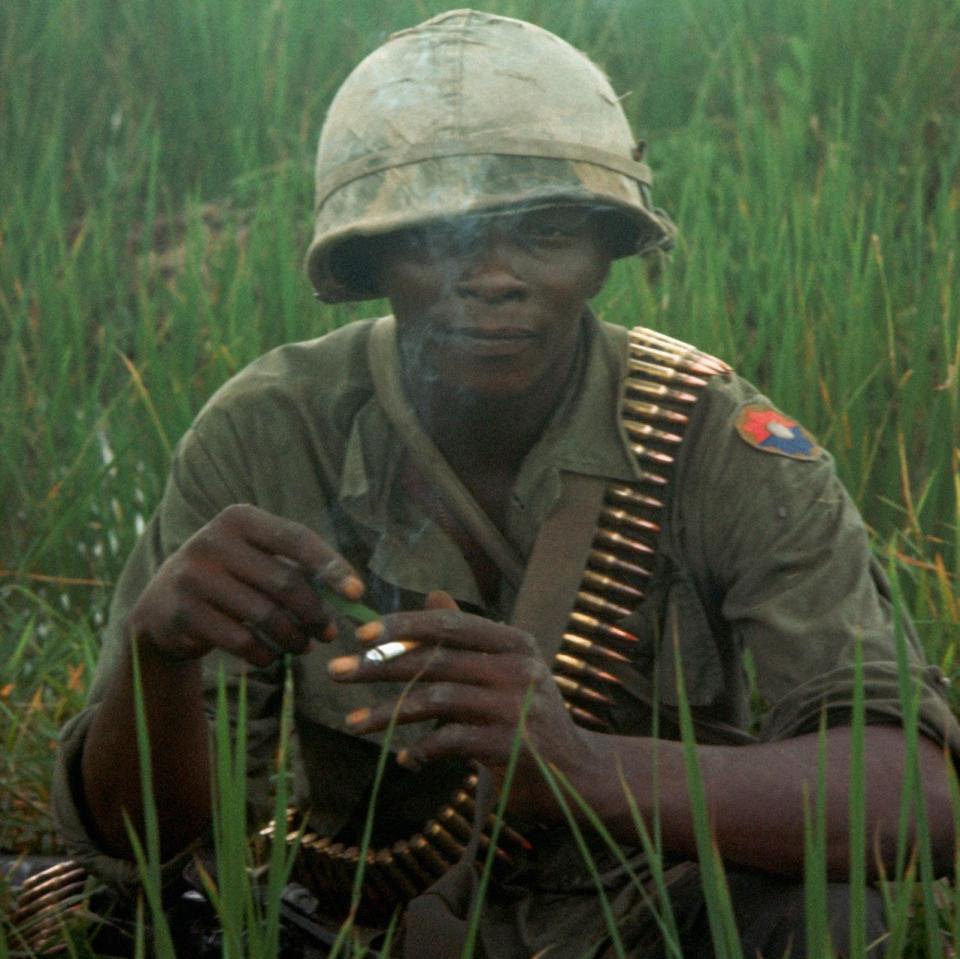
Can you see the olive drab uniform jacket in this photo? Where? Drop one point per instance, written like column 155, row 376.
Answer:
column 762, row 559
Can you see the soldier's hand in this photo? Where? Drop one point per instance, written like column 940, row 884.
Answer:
column 244, row 583
column 472, row 675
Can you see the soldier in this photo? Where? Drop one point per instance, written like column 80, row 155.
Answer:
column 547, row 511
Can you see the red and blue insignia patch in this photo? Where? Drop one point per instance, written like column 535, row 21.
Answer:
column 769, row 430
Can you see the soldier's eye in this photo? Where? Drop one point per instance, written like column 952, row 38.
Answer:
column 553, row 229
column 439, row 240
column 417, row 244
column 549, row 233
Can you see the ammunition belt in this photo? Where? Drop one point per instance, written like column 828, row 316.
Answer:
column 399, row 872
column 665, row 378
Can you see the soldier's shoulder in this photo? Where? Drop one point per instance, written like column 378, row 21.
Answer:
column 335, row 363
column 745, row 419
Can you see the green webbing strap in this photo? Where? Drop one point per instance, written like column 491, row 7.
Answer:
column 555, row 568
column 385, row 370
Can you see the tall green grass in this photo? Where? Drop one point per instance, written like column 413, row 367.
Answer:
column 244, row 891
column 155, row 162
column 245, row 896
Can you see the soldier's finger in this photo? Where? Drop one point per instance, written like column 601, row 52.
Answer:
column 488, row 744
column 251, row 608
column 281, row 633
column 450, row 628
column 284, row 583
column 292, row 540
column 450, row 702
column 247, row 604
column 439, row 664
column 205, row 627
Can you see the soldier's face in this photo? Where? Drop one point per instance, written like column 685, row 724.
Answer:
column 493, row 304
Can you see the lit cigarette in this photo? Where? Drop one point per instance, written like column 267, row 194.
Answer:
column 387, row 651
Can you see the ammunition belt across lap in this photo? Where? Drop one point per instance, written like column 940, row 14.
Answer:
column 664, row 381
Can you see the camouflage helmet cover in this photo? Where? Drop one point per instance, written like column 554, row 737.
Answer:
column 470, row 112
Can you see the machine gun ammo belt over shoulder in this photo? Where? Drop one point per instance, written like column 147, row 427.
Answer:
column 665, row 379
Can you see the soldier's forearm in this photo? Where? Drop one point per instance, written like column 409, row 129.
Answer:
column 180, row 763
column 755, row 795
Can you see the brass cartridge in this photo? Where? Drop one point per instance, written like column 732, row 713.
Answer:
column 607, row 560
column 443, row 840
column 601, row 605
column 687, row 361
column 395, row 875
column 601, row 581
column 585, row 717
column 661, row 391
column 570, row 687
column 627, row 494
column 653, row 411
column 662, row 340
column 428, row 855
column 583, row 646
column 598, row 626
column 616, row 515
column 582, row 668
column 641, row 428
column 404, row 858
column 665, row 373
column 618, row 540
column 456, row 823
column 654, row 456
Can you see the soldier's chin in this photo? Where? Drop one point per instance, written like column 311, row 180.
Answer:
column 487, row 383
column 472, row 367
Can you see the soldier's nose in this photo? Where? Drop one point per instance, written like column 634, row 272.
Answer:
column 489, row 274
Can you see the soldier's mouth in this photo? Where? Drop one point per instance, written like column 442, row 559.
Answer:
column 495, row 341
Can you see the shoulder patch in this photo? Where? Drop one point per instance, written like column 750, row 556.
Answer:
column 769, row 430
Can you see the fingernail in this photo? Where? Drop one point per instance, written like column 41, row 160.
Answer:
column 351, row 587
column 369, row 631
column 343, row 666
column 358, row 716
column 407, row 761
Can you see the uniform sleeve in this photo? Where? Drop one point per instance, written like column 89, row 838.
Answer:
column 200, row 485
column 781, row 547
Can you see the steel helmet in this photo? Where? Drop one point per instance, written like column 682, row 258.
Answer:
column 470, row 113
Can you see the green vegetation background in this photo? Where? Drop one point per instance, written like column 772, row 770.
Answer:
column 155, row 198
